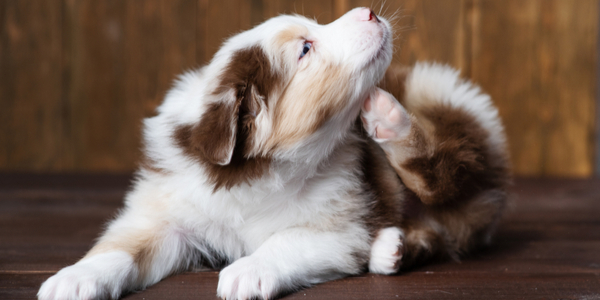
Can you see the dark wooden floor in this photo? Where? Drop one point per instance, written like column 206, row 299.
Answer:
column 548, row 246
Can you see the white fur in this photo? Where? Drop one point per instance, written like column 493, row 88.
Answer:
column 430, row 82
column 101, row 276
column 386, row 251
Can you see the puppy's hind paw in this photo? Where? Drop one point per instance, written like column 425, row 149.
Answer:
column 386, row 251
column 384, row 118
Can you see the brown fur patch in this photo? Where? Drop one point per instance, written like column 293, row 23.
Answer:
column 421, row 244
column 416, row 144
column 214, row 136
column 241, row 169
column 249, row 67
column 227, row 127
column 445, row 157
column 461, row 165
column 383, row 183
column 462, row 227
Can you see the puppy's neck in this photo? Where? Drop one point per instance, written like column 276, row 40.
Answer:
column 323, row 154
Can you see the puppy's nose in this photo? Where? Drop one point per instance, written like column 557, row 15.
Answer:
column 367, row 14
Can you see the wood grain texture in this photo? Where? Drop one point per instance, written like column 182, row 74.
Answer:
column 77, row 76
column 32, row 122
column 320, row 10
column 536, row 59
column 546, row 247
column 124, row 57
column 220, row 20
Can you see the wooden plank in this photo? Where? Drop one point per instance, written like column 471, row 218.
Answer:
column 31, row 114
column 421, row 285
column 597, row 107
column 535, row 58
column 53, row 226
column 409, row 286
column 340, row 7
column 124, row 57
column 218, row 21
column 62, row 181
column 545, row 248
column 422, row 39
column 321, row 11
column 568, row 54
column 99, row 67
column 202, row 57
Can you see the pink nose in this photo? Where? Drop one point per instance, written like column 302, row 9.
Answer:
column 366, row 14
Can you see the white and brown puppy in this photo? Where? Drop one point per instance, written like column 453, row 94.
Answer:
column 258, row 161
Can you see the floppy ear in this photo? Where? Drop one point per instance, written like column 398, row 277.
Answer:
column 215, row 135
column 226, row 125
column 223, row 133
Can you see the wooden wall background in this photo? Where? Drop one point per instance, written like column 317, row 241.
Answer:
column 77, row 76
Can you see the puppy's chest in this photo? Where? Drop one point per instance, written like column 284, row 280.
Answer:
column 319, row 203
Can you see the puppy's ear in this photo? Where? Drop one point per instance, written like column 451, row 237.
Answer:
column 215, row 136
column 224, row 133
column 227, row 125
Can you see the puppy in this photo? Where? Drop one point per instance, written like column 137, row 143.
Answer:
column 259, row 162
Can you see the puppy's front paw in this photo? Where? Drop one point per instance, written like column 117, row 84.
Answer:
column 386, row 251
column 74, row 282
column 384, row 118
column 100, row 277
column 247, row 278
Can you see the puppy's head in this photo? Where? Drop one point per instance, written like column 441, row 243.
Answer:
column 282, row 84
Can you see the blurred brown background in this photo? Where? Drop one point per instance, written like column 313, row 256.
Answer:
column 77, row 76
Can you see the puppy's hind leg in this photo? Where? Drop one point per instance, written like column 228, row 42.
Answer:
column 448, row 144
column 448, row 147
column 135, row 251
column 399, row 134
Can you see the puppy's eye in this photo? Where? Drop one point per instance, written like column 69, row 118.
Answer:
column 305, row 48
